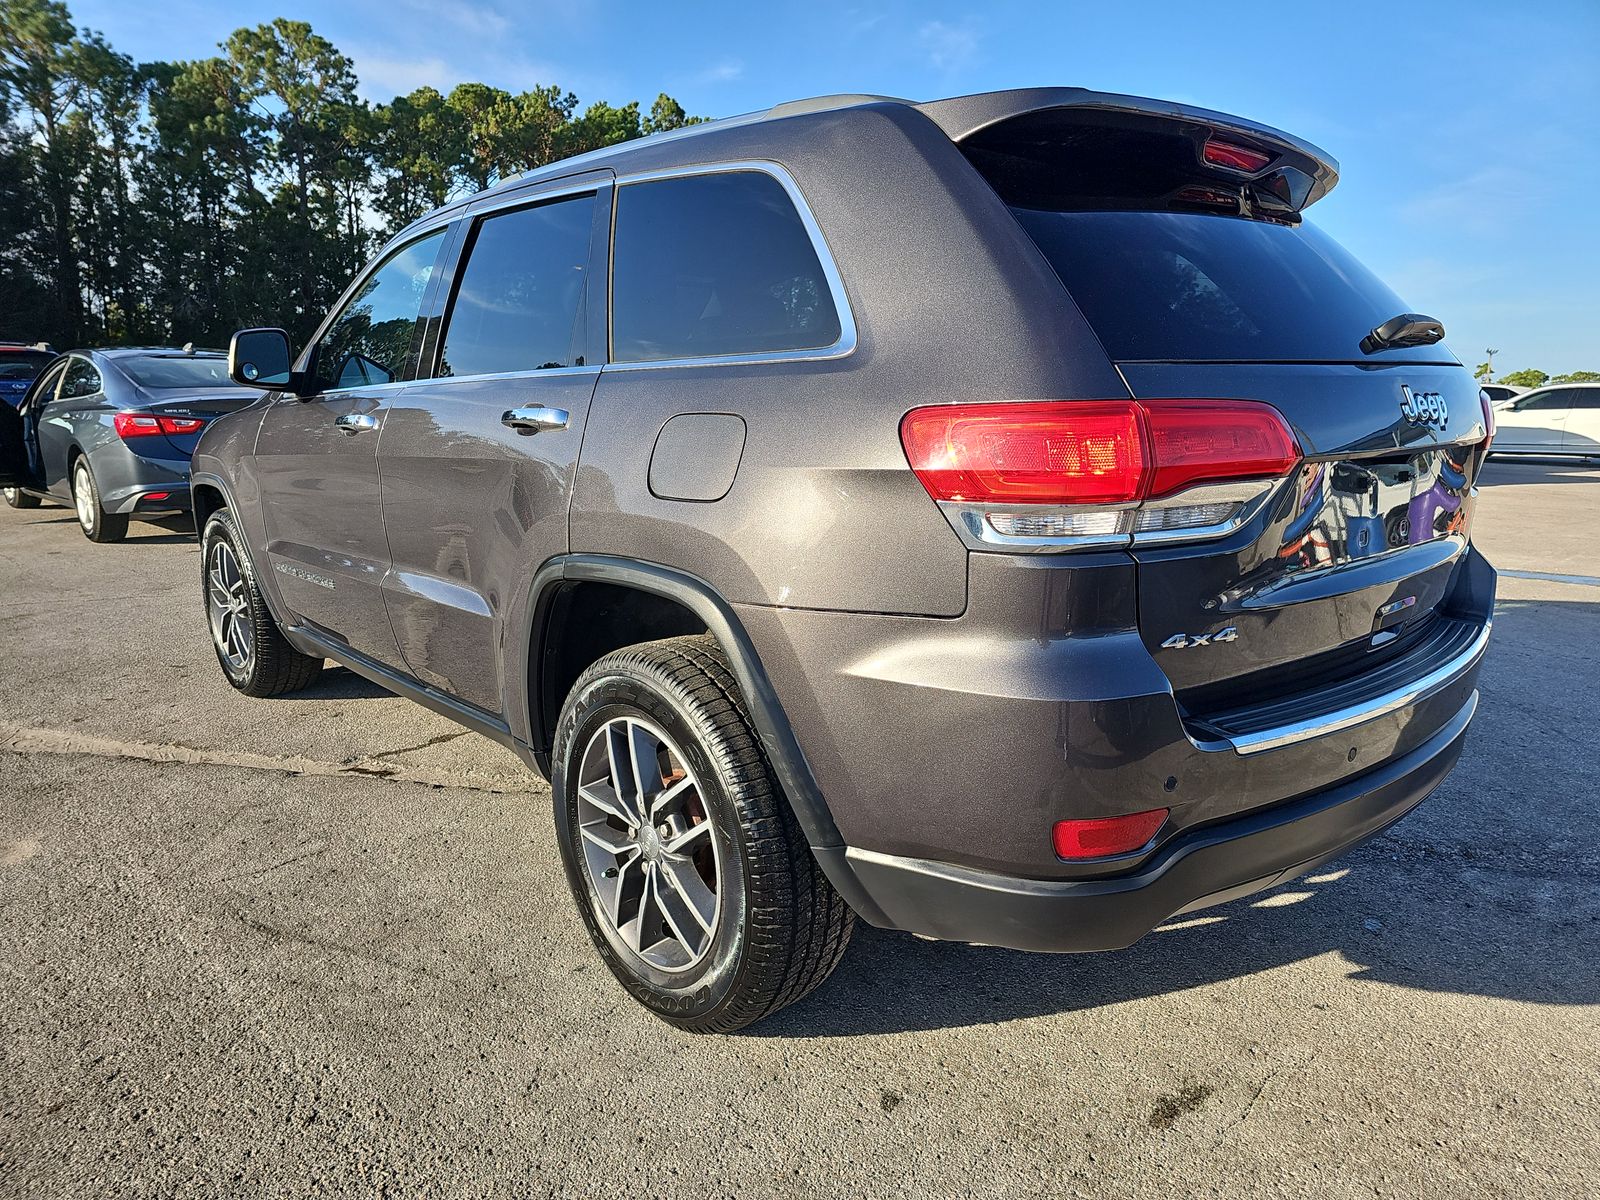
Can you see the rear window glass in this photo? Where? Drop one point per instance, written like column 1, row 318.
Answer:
column 1175, row 286
column 714, row 265
column 171, row 371
column 519, row 305
column 22, row 364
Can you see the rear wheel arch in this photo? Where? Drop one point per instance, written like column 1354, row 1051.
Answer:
column 669, row 603
column 206, row 499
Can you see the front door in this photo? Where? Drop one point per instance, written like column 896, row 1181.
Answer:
column 317, row 458
column 478, row 461
column 1582, row 434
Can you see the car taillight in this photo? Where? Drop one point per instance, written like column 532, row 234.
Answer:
column 1488, row 419
column 138, row 425
column 1098, row 837
column 1234, row 157
column 1068, row 473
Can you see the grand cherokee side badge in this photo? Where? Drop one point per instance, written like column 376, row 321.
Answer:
column 1185, row 641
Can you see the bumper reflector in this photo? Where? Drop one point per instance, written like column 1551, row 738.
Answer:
column 1098, row 837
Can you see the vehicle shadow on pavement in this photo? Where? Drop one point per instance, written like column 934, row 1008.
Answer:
column 1532, row 470
column 1491, row 888
column 338, row 683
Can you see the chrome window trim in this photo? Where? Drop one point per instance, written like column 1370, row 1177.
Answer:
column 532, row 197
column 1415, row 692
column 840, row 348
column 531, row 373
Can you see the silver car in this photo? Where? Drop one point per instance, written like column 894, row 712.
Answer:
column 110, row 432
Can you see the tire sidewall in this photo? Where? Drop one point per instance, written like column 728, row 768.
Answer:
column 619, row 691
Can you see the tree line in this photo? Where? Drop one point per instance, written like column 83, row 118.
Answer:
column 171, row 202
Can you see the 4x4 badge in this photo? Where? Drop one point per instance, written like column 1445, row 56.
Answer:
column 1187, row 641
column 1424, row 408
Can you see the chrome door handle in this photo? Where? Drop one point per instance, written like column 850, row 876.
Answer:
column 533, row 420
column 355, row 423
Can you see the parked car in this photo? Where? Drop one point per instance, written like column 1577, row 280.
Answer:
column 110, row 433
column 1563, row 419
column 836, row 504
column 20, row 365
column 1502, row 394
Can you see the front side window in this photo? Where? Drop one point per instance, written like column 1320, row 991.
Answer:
column 709, row 265
column 82, row 380
column 370, row 340
column 1543, row 401
column 519, row 301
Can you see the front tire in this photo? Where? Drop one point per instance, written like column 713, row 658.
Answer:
column 691, row 873
column 17, row 498
column 254, row 654
column 97, row 524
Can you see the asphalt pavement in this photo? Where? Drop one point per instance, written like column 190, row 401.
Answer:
column 322, row 945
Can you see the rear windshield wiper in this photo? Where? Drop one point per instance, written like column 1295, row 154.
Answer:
column 1408, row 329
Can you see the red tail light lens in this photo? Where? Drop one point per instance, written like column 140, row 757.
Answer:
column 1235, row 157
column 1207, row 440
column 1095, row 452
column 1045, row 453
column 1101, row 836
column 135, row 425
column 138, row 425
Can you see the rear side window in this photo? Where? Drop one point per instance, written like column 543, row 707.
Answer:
column 709, row 265
column 82, row 379
column 1178, row 286
column 1585, row 397
column 520, row 300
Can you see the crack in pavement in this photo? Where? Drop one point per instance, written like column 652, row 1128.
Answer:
column 20, row 739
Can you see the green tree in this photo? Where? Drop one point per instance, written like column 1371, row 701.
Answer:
column 1482, row 372
column 1529, row 378
column 421, row 153
column 1578, row 377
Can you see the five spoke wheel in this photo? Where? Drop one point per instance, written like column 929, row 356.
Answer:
column 648, row 845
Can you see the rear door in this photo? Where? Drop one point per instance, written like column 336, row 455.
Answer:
column 1535, row 422
column 317, row 456
column 478, row 459
column 1582, row 432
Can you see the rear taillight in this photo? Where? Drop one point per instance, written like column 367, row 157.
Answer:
column 1099, row 837
column 1488, row 419
column 1059, row 474
column 138, row 425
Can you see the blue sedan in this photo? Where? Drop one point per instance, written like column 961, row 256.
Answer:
column 110, row 433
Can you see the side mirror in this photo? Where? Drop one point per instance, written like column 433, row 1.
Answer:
column 260, row 358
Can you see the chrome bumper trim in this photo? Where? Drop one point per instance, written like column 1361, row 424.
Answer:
column 1418, row 690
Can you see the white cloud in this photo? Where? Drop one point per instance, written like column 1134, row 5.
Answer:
column 949, row 48
column 382, row 79
column 452, row 17
column 725, row 71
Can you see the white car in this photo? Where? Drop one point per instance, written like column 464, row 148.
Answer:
column 1502, row 394
column 1563, row 418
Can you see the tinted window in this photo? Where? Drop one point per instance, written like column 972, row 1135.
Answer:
column 371, row 339
column 1191, row 286
column 1585, row 397
column 1559, row 398
column 22, row 365
column 175, row 371
column 82, row 379
column 519, row 302
column 715, row 264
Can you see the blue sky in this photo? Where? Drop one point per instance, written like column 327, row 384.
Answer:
column 1468, row 133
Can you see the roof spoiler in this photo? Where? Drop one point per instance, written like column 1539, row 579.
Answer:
column 964, row 117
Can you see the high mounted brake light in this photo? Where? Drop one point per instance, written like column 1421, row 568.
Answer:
column 1234, row 157
column 1056, row 474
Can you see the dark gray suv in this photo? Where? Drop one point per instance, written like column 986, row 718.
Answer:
column 1003, row 519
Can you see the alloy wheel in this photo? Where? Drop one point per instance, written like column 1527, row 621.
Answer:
column 228, row 604
column 649, row 847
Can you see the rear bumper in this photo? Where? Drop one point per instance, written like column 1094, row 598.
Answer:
column 1204, row 866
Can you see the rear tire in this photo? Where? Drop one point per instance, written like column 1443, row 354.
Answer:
column 706, row 832
column 17, row 498
column 255, row 656
column 97, row 524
